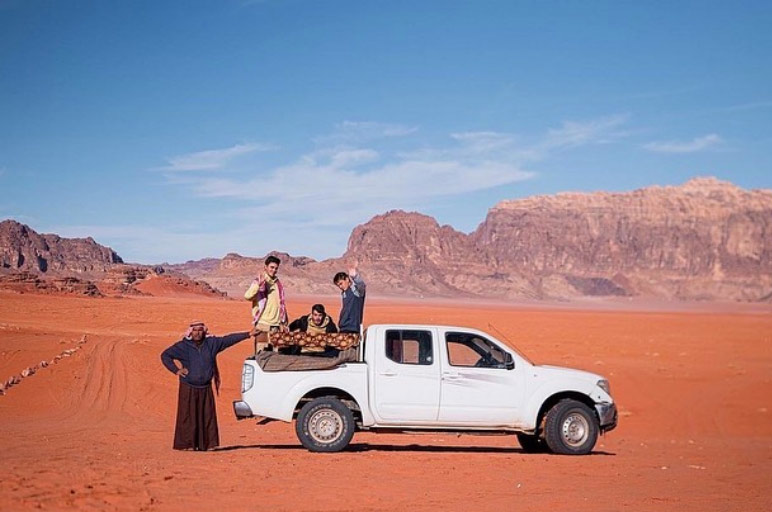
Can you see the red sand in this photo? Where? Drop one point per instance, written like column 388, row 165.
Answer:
column 94, row 431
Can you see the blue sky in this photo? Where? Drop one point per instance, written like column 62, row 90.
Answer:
column 180, row 130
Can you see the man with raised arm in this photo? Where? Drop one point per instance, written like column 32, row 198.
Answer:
column 352, row 293
column 269, row 311
column 195, row 356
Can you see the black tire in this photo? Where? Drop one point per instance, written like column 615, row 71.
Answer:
column 570, row 428
column 325, row 425
column 531, row 444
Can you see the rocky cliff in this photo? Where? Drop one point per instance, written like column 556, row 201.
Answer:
column 706, row 239
column 47, row 263
column 23, row 249
column 411, row 254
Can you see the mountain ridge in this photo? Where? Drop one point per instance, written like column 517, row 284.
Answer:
column 703, row 240
column 706, row 239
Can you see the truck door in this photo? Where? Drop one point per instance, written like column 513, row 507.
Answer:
column 477, row 387
column 407, row 377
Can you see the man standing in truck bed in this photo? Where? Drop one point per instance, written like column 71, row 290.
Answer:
column 269, row 311
column 352, row 294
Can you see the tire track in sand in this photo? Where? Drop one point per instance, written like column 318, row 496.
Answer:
column 105, row 388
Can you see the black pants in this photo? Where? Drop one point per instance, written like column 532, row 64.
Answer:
column 196, row 426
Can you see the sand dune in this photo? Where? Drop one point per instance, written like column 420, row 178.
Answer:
column 94, row 430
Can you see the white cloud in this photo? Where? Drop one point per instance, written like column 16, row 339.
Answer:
column 358, row 132
column 348, row 158
column 314, row 187
column 696, row 144
column 572, row 133
column 309, row 205
column 212, row 159
column 480, row 142
column 475, row 146
column 344, row 185
column 376, row 129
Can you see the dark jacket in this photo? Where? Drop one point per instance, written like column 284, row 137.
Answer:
column 200, row 360
column 301, row 324
column 353, row 308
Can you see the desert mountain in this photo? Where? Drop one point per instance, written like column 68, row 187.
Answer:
column 48, row 263
column 23, row 249
column 705, row 239
column 234, row 272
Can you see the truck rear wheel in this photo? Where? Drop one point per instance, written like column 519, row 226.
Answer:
column 325, row 425
column 570, row 428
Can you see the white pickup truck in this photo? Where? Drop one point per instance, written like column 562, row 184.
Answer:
column 434, row 378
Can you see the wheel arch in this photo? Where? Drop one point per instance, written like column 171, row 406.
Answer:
column 557, row 397
column 342, row 395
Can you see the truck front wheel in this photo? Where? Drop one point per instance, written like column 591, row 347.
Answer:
column 325, row 425
column 570, row 428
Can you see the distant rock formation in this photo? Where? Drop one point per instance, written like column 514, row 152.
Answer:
column 704, row 240
column 194, row 268
column 411, row 254
column 234, row 273
column 31, row 262
column 154, row 281
column 28, row 282
column 23, row 249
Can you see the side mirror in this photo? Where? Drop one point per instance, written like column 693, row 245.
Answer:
column 509, row 362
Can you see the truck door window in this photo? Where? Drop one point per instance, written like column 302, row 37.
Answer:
column 409, row 347
column 466, row 349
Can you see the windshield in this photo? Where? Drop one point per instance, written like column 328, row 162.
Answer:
column 511, row 345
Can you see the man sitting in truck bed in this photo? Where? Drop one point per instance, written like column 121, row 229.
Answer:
column 317, row 322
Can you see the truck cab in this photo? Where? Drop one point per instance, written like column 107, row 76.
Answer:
column 436, row 378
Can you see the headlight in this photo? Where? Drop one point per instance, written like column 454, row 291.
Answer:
column 605, row 386
column 247, row 378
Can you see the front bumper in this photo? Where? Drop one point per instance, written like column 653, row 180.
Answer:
column 242, row 410
column 607, row 414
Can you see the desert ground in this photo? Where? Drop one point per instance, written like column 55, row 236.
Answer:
column 94, row 431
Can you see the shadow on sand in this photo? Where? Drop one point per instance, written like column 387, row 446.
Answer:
column 361, row 447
